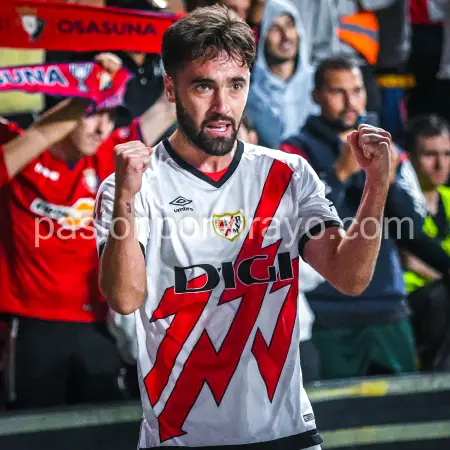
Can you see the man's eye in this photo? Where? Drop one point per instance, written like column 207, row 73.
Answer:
column 238, row 86
column 203, row 87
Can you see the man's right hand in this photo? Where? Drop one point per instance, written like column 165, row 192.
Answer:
column 109, row 61
column 346, row 165
column 131, row 160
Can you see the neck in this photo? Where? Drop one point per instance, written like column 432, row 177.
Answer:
column 432, row 199
column 65, row 151
column 197, row 157
column 283, row 70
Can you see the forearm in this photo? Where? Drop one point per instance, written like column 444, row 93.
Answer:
column 122, row 273
column 427, row 250
column 53, row 126
column 356, row 253
column 156, row 121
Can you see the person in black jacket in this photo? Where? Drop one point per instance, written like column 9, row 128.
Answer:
column 369, row 334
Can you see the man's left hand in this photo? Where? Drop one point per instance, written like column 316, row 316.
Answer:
column 372, row 149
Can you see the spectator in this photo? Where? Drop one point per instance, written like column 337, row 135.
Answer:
column 59, row 349
column 370, row 334
column 280, row 92
column 428, row 144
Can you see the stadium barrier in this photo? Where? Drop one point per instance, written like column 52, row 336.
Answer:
column 408, row 412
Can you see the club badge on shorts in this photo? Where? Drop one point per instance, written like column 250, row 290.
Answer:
column 229, row 225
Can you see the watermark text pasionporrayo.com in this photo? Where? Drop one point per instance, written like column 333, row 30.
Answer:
column 191, row 228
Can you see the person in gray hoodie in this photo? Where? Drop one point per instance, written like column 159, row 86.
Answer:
column 280, row 92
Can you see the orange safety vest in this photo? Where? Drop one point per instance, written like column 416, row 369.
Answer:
column 360, row 31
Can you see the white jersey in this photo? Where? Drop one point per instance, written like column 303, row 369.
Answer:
column 218, row 334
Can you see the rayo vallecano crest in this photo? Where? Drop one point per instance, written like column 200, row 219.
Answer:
column 229, row 225
column 31, row 23
column 91, row 180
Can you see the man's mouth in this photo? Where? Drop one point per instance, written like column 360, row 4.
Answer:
column 219, row 128
column 286, row 45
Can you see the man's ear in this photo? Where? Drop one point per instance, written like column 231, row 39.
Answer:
column 169, row 88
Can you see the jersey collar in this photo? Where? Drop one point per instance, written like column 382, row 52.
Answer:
column 198, row 173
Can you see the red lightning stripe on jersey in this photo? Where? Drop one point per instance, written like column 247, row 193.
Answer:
column 271, row 358
column 205, row 364
column 187, row 309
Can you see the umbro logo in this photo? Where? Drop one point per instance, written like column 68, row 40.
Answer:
column 181, row 202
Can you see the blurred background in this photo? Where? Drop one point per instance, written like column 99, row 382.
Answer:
column 376, row 367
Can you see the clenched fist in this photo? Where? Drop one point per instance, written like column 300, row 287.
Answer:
column 131, row 161
column 372, row 149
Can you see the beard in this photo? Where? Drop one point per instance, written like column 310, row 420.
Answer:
column 214, row 146
column 339, row 125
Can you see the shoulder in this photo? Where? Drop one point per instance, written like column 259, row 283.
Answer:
column 296, row 144
column 292, row 160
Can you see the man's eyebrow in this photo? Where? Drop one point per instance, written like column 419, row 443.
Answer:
column 206, row 80
column 239, row 79
column 202, row 80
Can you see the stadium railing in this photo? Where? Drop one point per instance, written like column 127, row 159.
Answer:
column 405, row 412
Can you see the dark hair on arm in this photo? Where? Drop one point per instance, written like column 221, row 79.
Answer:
column 424, row 125
column 337, row 62
column 204, row 34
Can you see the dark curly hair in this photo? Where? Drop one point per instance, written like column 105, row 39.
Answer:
column 205, row 33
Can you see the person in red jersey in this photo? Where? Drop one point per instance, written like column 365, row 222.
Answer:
column 59, row 350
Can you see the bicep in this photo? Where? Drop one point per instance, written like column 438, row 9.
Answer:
column 320, row 249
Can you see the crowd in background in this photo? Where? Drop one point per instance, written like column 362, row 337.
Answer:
column 322, row 68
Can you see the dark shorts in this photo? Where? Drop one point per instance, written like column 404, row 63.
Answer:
column 49, row 363
column 382, row 349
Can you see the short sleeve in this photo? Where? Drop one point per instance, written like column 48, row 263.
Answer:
column 103, row 216
column 316, row 212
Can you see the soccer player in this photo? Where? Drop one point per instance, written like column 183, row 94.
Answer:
column 200, row 238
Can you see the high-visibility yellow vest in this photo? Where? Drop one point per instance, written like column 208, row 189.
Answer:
column 360, row 31
column 414, row 281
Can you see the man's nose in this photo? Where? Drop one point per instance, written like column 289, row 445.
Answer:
column 104, row 124
column 220, row 105
column 439, row 162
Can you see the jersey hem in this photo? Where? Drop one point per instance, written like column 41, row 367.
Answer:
column 299, row 441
